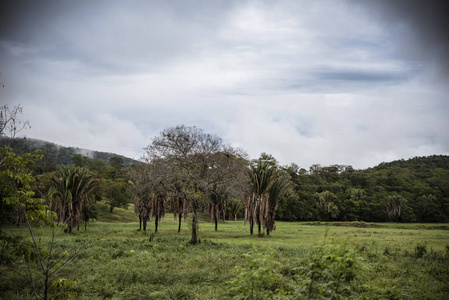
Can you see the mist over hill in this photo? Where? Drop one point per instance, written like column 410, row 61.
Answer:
column 61, row 155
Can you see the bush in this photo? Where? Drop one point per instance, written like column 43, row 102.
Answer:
column 258, row 278
column 420, row 250
column 328, row 273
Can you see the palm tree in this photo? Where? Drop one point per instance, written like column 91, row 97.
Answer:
column 69, row 192
column 280, row 186
column 325, row 203
column 357, row 195
column 268, row 184
column 261, row 175
column 393, row 204
column 234, row 207
column 216, row 205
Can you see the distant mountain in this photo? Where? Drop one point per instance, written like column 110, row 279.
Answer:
column 61, row 155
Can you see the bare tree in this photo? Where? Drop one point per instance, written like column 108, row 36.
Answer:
column 141, row 189
column 198, row 160
column 10, row 123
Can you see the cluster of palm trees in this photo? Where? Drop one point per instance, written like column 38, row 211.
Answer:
column 393, row 204
column 267, row 184
column 69, row 194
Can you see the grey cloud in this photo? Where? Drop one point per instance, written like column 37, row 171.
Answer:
column 422, row 26
column 361, row 76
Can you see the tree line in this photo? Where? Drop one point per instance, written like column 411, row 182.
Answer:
column 415, row 190
column 187, row 172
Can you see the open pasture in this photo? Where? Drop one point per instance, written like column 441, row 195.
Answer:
column 392, row 261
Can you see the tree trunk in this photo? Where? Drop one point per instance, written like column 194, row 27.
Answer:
column 235, row 217
column 156, row 222
column 111, row 208
column 251, row 226
column 179, row 225
column 259, row 226
column 46, row 284
column 194, row 239
column 216, row 223
column 140, row 223
column 144, row 225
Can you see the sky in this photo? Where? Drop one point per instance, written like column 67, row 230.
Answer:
column 310, row 82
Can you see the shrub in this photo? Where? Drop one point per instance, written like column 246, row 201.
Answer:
column 328, row 273
column 258, row 278
column 420, row 250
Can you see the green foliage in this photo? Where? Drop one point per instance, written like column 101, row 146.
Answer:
column 29, row 257
column 420, row 250
column 70, row 194
column 329, row 272
column 16, row 180
column 117, row 194
column 414, row 190
column 121, row 263
column 63, row 289
column 257, row 278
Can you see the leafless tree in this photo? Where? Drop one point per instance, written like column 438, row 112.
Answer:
column 198, row 160
column 10, row 123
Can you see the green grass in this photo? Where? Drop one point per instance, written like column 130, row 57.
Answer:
column 119, row 262
column 118, row 215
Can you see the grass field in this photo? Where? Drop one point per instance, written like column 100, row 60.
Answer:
column 381, row 261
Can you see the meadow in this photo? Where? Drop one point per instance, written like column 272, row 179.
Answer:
column 299, row 260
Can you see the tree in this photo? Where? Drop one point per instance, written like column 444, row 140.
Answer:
column 158, row 207
column 179, row 204
column 199, row 160
column 393, row 204
column 234, row 207
column 261, row 175
column 16, row 180
column 141, row 189
column 117, row 194
column 268, row 183
column 70, row 191
column 216, row 205
column 326, row 204
column 279, row 187
column 230, row 187
column 10, row 124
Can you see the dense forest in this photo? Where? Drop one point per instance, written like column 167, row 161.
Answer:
column 413, row 190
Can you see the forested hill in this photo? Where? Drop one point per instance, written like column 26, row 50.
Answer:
column 419, row 163
column 60, row 155
column 413, row 190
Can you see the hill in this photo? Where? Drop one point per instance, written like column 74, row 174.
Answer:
column 62, row 156
column 419, row 163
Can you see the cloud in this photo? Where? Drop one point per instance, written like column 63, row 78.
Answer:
column 421, row 27
column 309, row 82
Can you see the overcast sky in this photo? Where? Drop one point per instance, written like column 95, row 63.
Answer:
column 310, row 82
